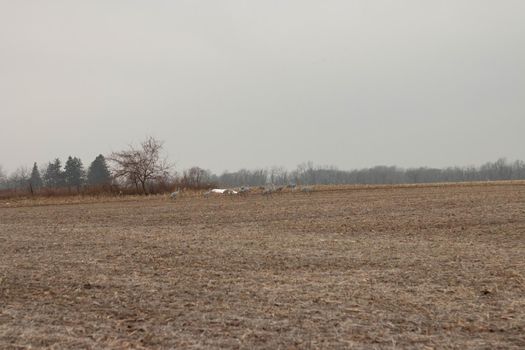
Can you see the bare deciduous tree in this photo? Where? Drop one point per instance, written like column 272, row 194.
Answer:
column 142, row 165
column 3, row 178
column 19, row 179
column 196, row 177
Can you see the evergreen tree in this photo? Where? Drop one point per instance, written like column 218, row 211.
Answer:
column 98, row 172
column 74, row 173
column 35, row 180
column 54, row 176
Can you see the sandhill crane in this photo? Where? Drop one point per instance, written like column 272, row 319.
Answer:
column 175, row 194
column 244, row 191
column 307, row 189
column 268, row 192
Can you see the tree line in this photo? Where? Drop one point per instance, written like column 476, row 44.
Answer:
column 72, row 175
column 138, row 169
column 144, row 169
column 309, row 174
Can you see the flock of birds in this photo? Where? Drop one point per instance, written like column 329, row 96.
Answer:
column 266, row 191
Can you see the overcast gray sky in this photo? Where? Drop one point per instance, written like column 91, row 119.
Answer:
column 233, row 84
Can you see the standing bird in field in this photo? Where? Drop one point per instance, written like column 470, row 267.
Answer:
column 175, row 194
column 244, row 191
column 268, row 192
column 307, row 189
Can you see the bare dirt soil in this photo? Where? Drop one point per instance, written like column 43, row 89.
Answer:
column 424, row 267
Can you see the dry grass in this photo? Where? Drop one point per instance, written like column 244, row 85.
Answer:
column 393, row 267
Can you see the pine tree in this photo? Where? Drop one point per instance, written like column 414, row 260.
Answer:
column 98, row 172
column 54, row 176
column 35, row 180
column 74, row 173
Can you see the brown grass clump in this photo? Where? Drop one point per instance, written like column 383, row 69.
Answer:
column 426, row 267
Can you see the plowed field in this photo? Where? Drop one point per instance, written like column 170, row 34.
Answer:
column 386, row 267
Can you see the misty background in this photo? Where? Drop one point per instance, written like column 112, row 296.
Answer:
column 236, row 84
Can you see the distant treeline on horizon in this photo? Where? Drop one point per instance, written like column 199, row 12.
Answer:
column 309, row 174
column 75, row 177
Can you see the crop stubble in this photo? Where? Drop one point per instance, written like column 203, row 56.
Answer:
column 386, row 267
